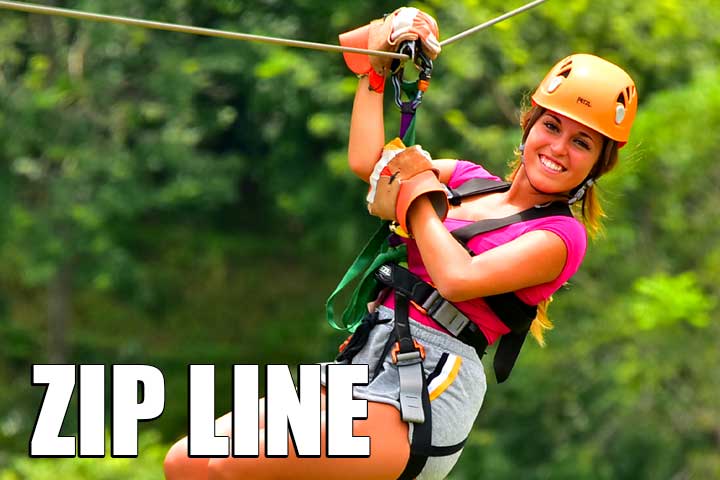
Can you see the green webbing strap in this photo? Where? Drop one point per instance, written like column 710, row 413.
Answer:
column 374, row 254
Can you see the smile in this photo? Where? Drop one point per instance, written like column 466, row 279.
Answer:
column 554, row 166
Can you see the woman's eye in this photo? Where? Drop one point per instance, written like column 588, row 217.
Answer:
column 582, row 144
column 551, row 126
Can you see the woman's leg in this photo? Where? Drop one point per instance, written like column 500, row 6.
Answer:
column 178, row 466
column 389, row 451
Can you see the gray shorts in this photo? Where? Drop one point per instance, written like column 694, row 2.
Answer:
column 456, row 384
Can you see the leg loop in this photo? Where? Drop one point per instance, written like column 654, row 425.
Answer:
column 359, row 338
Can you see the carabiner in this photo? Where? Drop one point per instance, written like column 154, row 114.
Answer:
column 423, row 63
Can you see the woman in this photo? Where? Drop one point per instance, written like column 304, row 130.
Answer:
column 581, row 115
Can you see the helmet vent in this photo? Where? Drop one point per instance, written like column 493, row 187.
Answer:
column 619, row 113
column 563, row 73
column 555, row 83
column 620, row 107
column 630, row 92
column 566, row 67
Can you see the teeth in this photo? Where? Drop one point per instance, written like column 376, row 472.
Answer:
column 551, row 165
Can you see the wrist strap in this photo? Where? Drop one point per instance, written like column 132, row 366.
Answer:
column 377, row 82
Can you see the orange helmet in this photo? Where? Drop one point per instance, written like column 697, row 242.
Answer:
column 592, row 91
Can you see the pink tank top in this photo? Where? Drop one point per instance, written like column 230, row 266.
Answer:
column 568, row 229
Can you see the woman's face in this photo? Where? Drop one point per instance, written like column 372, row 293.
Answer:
column 560, row 153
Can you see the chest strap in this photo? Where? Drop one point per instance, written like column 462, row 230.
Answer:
column 475, row 186
column 427, row 299
column 513, row 312
column 468, row 232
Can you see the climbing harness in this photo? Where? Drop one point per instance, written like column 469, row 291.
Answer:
column 407, row 354
column 386, row 270
column 379, row 249
column 512, row 311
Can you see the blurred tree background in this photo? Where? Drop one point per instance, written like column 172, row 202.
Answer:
column 171, row 199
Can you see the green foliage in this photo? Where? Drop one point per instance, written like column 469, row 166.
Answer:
column 193, row 195
column 147, row 466
column 664, row 301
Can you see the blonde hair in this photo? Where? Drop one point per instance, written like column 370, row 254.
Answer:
column 588, row 210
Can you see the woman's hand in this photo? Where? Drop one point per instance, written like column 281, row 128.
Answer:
column 367, row 134
column 402, row 175
column 386, row 35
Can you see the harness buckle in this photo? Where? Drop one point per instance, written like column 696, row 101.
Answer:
column 445, row 313
column 412, row 383
column 408, row 358
column 431, row 303
column 454, row 198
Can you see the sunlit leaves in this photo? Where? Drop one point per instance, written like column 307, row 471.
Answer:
column 663, row 301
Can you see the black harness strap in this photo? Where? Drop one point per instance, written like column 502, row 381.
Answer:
column 408, row 356
column 421, row 445
column 466, row 233
column 475, row 186
column 421, row 440
column 424, row 295
column 513, row 312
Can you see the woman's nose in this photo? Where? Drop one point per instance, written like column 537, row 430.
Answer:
column 559, row 146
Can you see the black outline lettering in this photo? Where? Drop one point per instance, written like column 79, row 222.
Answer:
column 269, row 405
column 138, row 381
column 328, row 414
column 299, row 390
column 42, row 405
column 80, row 410
column 257, row 411
column 190, row 410
column 271, row 394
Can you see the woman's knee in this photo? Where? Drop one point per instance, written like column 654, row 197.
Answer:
column 178, row 466
column 230, row 468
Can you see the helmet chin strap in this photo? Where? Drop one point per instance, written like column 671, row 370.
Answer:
column 581, row 191
column 579, row 194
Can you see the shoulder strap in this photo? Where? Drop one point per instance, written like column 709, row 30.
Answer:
column 464, row 234
column 513, row 312
column 475, row 186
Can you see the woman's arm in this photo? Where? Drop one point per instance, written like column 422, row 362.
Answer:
column 367, row 130
column 445, row 168
column 367, row 135
column 532, row 259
